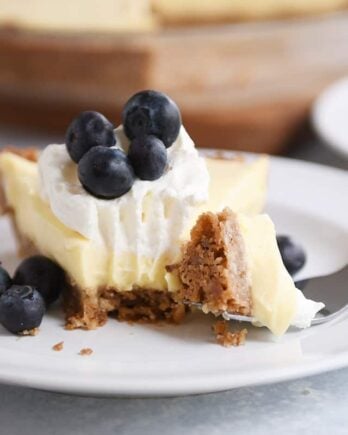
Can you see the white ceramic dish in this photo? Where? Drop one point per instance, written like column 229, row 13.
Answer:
column 330, row 116
column 307, row 201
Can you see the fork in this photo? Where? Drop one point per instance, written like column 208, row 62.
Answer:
column 331, row 289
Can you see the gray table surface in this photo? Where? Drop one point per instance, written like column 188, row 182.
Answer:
column 316, row 405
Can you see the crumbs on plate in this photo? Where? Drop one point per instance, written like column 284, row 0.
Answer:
column 58, row 346
column 227, row 338
column 86, row 351
column 30, row 332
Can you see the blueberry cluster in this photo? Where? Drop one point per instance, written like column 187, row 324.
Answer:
column 36, row 284
column 151, row 121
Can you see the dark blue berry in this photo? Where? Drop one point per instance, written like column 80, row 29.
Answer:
column 293, row 255
column 148, row 156
column 5, row 280
column 152, row 113
column 106, row 172
column 88, row 130
column 43, row 274
column 21, row 308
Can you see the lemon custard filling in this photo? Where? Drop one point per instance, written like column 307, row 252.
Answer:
column 277, row 303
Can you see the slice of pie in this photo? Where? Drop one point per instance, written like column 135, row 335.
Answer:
column 115, row 252
column 232, row 263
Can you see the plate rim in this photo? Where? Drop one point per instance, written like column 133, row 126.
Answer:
column 316, row 118
column 155, row 387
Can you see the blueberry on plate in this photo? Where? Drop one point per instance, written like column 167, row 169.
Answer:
column 88, row 130
column 293, row 255
column 148, row 156
column 106, row 172
column 43, row 274
column 21, row 308
column 5, row 280
column 152, row 113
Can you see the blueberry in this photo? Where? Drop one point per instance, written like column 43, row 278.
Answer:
column 21, row 308
column 293, row 255
column 106, row 172
column 5, row 280
column 148, row 156
column 152, row 113
column 43, row 274
column 88, row 130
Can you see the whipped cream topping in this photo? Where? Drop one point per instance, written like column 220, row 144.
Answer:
column 306, row 311
column 148, row 220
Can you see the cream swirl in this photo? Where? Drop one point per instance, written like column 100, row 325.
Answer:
column 148, row 220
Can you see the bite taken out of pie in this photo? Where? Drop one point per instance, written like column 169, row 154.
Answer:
column 232, row 263
column 115, row 208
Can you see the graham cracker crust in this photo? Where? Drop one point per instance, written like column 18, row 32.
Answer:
column 139, row 305
column 213, row 269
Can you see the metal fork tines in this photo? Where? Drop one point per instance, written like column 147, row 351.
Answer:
column 331, row 289
column 225, row 314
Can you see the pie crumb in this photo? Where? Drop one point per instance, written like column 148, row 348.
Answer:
column 58, row 347
column 31, row 332
column 227, row 338
column 86, row 351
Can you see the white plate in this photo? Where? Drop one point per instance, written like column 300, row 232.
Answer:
column 330, row 116
column 307, row 201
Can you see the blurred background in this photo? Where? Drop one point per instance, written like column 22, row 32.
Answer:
column 244, row 73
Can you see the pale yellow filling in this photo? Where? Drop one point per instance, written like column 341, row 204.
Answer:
column 272, row 288
column 91, row 265
column 237, row 185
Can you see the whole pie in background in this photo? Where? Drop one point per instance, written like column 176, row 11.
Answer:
column 198, row 11
column 244, row 72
